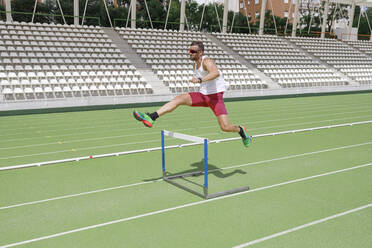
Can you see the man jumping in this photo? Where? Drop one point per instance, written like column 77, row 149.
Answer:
column 212, row 87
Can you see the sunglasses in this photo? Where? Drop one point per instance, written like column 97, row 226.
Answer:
column 193, row 51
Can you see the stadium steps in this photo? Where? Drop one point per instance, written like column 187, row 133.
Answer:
column 145, row 70
column 157, row 85
column 336, row 72
column 270, row 83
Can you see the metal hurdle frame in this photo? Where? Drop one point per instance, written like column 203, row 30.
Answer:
column 197, row 141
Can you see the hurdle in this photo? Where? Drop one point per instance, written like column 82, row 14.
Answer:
column 196, row 141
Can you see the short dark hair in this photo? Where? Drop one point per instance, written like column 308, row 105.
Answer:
column 199, row 44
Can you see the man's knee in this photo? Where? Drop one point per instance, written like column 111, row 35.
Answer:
column 183, row 99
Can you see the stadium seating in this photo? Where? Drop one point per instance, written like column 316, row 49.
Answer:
column 41, row 61
column 166, row 51
column 366, row 73
column 341, row 56
column 281, row 61
column 54, row 61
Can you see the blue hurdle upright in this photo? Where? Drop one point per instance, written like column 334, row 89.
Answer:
column 195, row 140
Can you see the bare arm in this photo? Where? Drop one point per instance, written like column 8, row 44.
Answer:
column 210, row 66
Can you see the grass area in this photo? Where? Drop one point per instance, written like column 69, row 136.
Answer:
column 294, row 179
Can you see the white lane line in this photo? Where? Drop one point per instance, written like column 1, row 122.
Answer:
column 95, row 147
column 180, row 207
column 225, row 168
column 128, row 135
column 206, row 121
column 275, row 235
column 79, row 194
column 150, row 149
column 293, row 156
column 81, row 149
column 256, row 113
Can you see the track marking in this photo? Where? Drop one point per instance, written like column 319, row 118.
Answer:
column 181, row 207
column 153, row 148
column 275, row 235
column 141, row 183
column 206, row 121
column 267, row 111
column 129, row 135
column 81, row 149
column 79, row 194
column 113, row 145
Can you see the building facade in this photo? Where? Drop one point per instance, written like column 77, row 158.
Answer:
column 281, row 8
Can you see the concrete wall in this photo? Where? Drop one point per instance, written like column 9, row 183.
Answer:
column 151, row 99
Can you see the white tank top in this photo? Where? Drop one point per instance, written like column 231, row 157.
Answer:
column 213, row 86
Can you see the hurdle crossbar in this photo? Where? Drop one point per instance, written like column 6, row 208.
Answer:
column 184, row 136
column 169, row 178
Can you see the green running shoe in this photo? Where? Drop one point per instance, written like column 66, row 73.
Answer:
column 144, row 118
column 246, row 139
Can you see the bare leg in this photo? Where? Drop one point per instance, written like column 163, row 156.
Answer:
column 184, row 99
column 225, row 125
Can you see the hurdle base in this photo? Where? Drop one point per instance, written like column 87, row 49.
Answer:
column 227, row 192
column 184, row 187
column 205, row 193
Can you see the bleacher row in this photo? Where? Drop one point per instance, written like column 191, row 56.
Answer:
column 341, row 56
column 281, row 61
column 42, row 61
column 47, row 61
column 166, row 52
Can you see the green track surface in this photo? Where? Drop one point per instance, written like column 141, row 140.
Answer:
column 86, row 193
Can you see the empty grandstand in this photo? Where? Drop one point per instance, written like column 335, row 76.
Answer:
column 172, row 64
column 56, row 65
column 43, row 61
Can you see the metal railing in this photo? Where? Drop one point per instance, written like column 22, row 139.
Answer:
column 52, row 15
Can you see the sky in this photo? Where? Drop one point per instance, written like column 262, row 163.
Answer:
column 232, row 6
column 204, row 1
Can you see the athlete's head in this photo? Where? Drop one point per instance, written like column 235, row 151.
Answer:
column 196, row 50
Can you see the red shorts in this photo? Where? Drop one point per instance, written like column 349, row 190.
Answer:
column 214, row 101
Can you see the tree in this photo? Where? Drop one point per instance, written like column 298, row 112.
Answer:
column 27, row 6
column 193, row 12
column 240, row 23
column 210, row 20
column 337, row 12
column 2, row 15
column 364, row 28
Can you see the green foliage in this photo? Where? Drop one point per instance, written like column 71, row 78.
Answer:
column 363, row 25
column 193, row 11
column 335, row 13
column 2, row 15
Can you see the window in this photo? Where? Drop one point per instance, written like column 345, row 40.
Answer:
column 257, row 1
column 257, row 14
column 241, row 5
column 285, row 1
column 286, row 14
